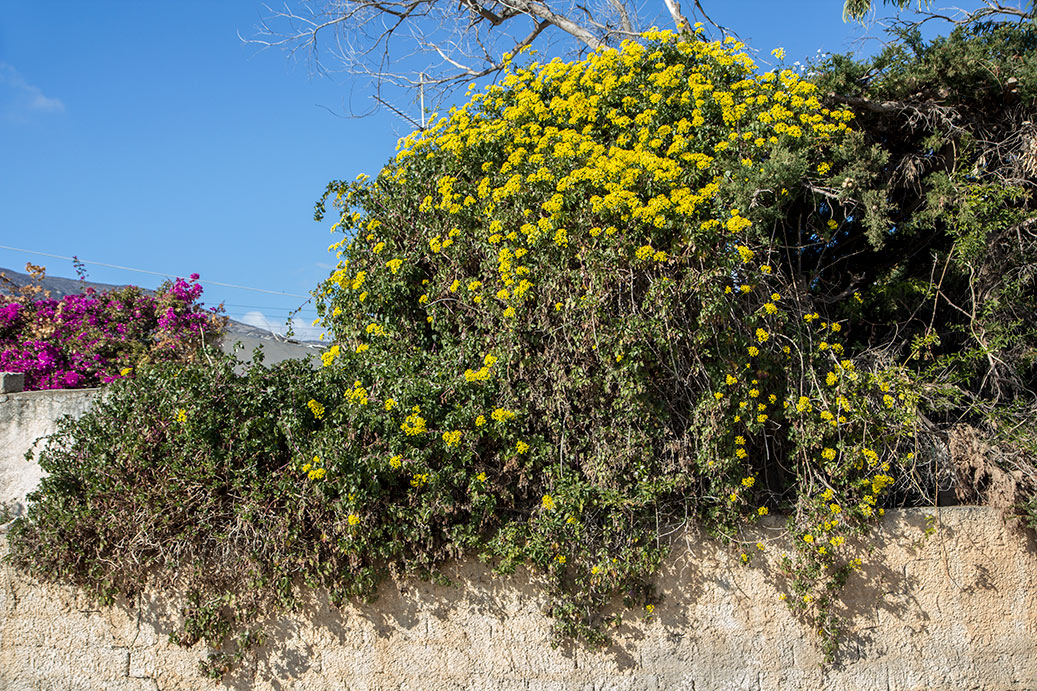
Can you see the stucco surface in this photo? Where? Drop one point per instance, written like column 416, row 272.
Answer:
column 24, row 418
column 954, row 610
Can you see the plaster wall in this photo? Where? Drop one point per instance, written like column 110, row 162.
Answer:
column 25, row 417
column 954, row 610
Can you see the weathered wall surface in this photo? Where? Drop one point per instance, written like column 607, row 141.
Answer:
column 24, row 418
column 956, row 610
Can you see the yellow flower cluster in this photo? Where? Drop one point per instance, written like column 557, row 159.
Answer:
column 502, row 415
column 328, row 356
column 358, row 394
column 313, row 469
column 413, row 425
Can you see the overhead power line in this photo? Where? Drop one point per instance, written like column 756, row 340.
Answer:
column 153, row 273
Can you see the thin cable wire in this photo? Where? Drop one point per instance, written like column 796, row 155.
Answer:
column 153, row 273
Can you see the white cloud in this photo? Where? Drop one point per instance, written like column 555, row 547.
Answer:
column 20, row 99
column 303, row 330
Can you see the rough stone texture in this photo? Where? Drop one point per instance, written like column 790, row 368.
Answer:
column 955, row 610
column 12, row 382
column 24, row 418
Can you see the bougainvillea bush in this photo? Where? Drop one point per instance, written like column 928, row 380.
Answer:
column 602, row 303
column 96, row 337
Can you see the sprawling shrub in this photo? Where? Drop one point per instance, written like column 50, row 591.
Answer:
column 95, row 337
column 584, row 308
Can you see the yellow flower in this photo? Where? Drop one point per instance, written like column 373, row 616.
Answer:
column 316, row 408
column 396, row 461
column 502, row 415
column 560, row 558
column 763, row 511
column 480, row 421
column 413, row 425
column 522, row 447
column 353, row 519
column 547, row 502
column 124, row 371
column 481, row 477
column 181, row 415
column 390, row 404
column 731, row 380
column 328, row 357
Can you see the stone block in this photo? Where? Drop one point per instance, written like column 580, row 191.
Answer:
column 12, row 382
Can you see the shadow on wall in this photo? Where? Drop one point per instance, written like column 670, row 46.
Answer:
column 920, row 608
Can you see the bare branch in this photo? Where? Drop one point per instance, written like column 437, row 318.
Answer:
column 674, row 8
column 387, row 44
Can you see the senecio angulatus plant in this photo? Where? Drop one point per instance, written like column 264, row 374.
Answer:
column 565, row 307
column 602, row 304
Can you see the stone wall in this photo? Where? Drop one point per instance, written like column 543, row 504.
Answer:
column 954, row 610
column 25, row 417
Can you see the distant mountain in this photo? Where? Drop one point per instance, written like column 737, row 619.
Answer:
column 58, row 287
column 275, row 347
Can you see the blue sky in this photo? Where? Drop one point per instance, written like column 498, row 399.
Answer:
column 148, row 135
